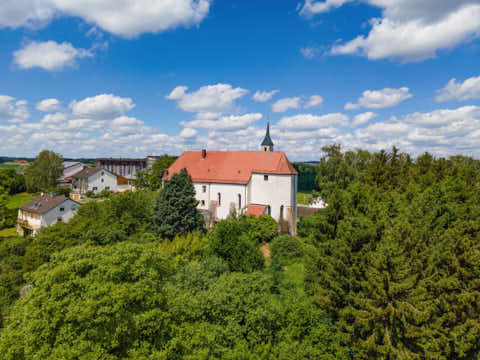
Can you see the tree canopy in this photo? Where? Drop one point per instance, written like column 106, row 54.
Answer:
column 43, row 173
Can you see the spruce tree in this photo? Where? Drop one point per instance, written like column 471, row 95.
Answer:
column 175, row 211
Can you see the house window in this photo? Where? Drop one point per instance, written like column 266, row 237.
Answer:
column 103, row 180
column 74, row 208
column 103, row 173
column 204, row 188
column 202, row 202
column 107, row 187
column 269, row 210
column 265, row 177
column 95, row 188
column 219, row 199
column 62, row 209
column 59, row 219
column 239, row 201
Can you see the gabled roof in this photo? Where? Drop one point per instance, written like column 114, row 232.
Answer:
column 256, row 210
column 86, row 172
column 44, row 203
column 231, row 167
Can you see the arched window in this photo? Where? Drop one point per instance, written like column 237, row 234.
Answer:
column 239, row 201
column 281, row 212
column 269, row 210
column 219, row 199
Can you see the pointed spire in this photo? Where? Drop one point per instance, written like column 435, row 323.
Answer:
column 267, row 143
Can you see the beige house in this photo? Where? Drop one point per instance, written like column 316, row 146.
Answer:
column 45, row 210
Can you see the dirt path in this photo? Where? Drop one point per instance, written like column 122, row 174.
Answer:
column 265, row 249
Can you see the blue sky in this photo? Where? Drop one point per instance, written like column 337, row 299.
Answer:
column 128, row 78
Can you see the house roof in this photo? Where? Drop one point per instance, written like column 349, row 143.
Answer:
column 43, row 203
column 256, row 210
column 67, row 164
column 231, row 167
column 86, row 172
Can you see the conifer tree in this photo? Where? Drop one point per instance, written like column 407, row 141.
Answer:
column 175, row 211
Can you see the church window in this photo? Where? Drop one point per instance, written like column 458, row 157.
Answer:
column 239, row 201
column 202, row 202
column 269, row 210
column 219, row 199
column 204, row 188
column 265, row 177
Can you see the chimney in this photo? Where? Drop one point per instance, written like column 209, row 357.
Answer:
column 204, row 154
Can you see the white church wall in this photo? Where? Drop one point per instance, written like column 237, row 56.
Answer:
column 229, row 195
column 276, row 190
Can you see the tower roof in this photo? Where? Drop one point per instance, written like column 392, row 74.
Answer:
column 267, row 141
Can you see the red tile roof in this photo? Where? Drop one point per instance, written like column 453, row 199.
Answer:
column 231, row 167
column 256, row 210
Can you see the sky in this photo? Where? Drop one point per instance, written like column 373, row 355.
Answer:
column 127, row 78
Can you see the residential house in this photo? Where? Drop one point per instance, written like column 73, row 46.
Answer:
column 94, row 180
column 247, row 182
column 70, row 168
column 45, row 210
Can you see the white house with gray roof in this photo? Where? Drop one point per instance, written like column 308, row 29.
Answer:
column 94, row 180
column 45, row 210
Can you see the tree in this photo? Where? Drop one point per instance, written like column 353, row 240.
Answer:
column 91, row 302
column 175, row 211
column 43, row 173
column 12, row 182
column 152, row 178
column 4, row 213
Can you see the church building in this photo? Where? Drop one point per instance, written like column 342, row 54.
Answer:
column 247, row 182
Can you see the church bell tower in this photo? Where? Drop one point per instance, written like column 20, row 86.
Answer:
column 267, row 143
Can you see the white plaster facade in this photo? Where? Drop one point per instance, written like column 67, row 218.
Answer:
column 31, row 222
column 97, row 182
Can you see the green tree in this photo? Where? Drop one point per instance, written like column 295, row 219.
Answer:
column 91, row 302
column 12, row 182
column 175, row 211
column 4, row 212
column 43, row 173
column 152, row 178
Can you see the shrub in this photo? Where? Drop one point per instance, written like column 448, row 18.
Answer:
column 261, row 229
column 287, row 247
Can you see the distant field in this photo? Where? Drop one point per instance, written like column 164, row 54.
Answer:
column 304, row 197
column 15, row 201
column 8, row 232
column 13, row 165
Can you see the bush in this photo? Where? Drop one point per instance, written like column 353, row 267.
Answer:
column 261, row 229
column 286, row 246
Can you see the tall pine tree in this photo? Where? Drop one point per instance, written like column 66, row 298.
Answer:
column 175, row 211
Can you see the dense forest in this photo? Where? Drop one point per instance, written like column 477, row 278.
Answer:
column 390, row 269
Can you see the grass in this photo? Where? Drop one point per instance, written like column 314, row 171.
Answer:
column 8, row 232
column 17, row 200
column 304, row 197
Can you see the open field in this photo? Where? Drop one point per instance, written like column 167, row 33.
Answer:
column 17, row 200
column 304, row 197
column 8, row 232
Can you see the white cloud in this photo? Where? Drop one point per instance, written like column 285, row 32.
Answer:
column 225, row 122
column 55, row 118
column 315, row 100
column 308, row 52
column 188, row 133
column 124, row 18
column 309, row 121
column 48, row 105
column 14, row 111
column 49, row 55
column 412, row 30
column 364, row 118
column 105, row 106
column 125, row 121
column 285, row 104
column 469, row 89
column 312, row 7
column 264, row 96
column 208, row 99
column 379, row 99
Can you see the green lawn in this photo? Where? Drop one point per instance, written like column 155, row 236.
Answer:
column 8, row 232
column 303, row 198
column 17, row 200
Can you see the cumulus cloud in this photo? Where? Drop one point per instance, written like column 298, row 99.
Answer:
column 208, row 99
column 315, row 100
column 379, row 99
column 364, row 118
column 124, row 18
column 12, row 110
column 48, row 105
column 312, row 7
column 105, row 106
column 409, row 30
column 49, row 55
column 309, row 121
column 225, row 122
column 285, row 104
column 467, row 90
column 264, row 96
column 188, row 133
